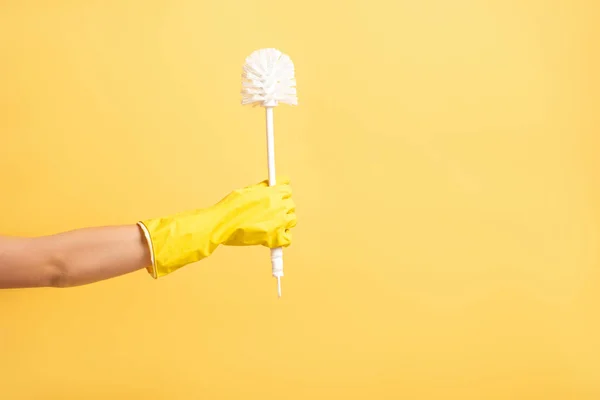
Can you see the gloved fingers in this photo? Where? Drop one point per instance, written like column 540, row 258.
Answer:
column 281, row 238
column 291, row 220
column 287, row 235
column 285, row 191
column 283, row 180
column 289, row 205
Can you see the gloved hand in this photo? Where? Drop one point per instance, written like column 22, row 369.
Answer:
column 254, row 215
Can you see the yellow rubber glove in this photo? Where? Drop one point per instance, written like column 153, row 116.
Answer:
column 254, row 215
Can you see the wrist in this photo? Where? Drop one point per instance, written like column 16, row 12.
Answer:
column 179, row 240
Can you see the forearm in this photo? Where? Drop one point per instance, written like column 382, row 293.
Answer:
column 72, row 258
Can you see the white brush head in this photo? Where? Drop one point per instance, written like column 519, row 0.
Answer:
column 268, row 79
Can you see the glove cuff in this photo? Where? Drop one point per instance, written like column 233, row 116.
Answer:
column 151, row 268
column 180, row 240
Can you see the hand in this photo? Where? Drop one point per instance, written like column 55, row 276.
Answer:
column 262, row 215
column 254, row 215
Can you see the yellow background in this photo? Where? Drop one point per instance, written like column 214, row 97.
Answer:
column 444, row 161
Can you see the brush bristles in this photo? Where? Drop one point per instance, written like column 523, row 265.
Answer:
column 268, row 79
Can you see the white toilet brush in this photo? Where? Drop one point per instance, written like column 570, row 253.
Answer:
column 268, row 79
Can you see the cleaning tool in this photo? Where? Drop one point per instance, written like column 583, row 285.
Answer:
column 267, row 80
column 255, row 215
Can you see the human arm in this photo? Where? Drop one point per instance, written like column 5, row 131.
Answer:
column 72, row 258
column 254, row 215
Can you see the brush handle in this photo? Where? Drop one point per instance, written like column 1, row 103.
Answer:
column 276, row 254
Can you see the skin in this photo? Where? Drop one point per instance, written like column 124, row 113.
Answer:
column 72, row 258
